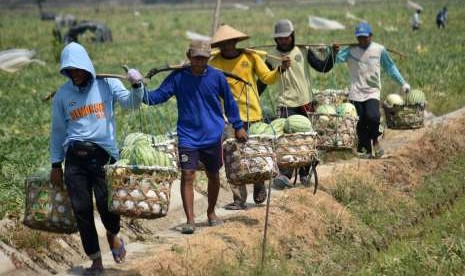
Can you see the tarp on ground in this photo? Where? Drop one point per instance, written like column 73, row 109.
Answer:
column 196, row 36
column 14, row 59
column 414, row 5
column 320, row 23
column 354, row 17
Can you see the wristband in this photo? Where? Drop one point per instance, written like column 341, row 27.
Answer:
column 56, row 165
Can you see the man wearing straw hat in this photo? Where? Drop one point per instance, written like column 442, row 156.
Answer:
column 248, row 66
column 83, row 135
column 294, row 96
column 365, row 61
column 199, row 90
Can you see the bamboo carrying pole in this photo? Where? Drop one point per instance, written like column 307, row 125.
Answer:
column 321, row 45
column 99, row 76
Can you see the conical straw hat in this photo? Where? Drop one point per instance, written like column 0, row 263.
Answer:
column 226, row 32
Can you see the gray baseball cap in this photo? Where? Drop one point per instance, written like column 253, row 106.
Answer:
column 283, row 28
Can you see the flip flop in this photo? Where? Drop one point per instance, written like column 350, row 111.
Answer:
column 93, row 271
column 259, row 193
column 119, row 253
column 235, row 206
column 215, row 222
column 188, row 228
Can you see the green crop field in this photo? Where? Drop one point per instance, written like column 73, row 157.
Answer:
column 156, row 35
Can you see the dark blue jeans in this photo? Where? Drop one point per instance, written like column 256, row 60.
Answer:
column 368, row 123
column 85, row 177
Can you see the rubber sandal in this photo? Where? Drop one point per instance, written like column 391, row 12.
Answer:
column 120, row 253
column 215, row 222
column 188, row 228
column 259, row 193
column 93, row 271
column 235, row 206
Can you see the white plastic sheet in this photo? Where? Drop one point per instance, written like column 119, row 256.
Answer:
column 320, row 23
column 241, row 6
column 14, row 59
column 414, row 5
column 354, row 17
column 196, row 36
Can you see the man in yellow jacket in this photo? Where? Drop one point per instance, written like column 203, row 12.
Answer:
column 249, row 66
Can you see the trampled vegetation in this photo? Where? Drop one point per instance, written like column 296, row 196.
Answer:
column 156, row 36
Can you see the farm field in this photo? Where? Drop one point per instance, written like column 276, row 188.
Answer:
column 153, row 36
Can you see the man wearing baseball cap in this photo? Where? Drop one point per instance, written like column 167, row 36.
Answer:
column 201, row 93
column 249, row 66
column 293, row 96
column 365, row 62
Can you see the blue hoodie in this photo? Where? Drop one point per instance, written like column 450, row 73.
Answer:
column 86, row 113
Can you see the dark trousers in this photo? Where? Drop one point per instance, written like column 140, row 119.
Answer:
column 368, row 123
column 85, row 177
column 285, row 112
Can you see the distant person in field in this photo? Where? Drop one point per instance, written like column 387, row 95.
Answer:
column 249, row 66
column 294, row 96
column 365, row 62
column 202, row 93
column 441, row 18
column 84, row 136
column 416, row 20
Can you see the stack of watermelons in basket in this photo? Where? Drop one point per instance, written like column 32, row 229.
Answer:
column 405, row 113
column 140, row 182
column 296, row 147
column 335, row 121
column 48, row 207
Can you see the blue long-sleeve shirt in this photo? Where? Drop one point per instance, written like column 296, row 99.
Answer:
column 86, row 113
column 200, row 110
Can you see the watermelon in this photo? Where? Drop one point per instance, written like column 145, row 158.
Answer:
column 260, row 128
column 278, row 125
column 297, row 123
column 394, row 99
column 142, row 153
column 415, row 97
column 326, row 109
column 347, row 110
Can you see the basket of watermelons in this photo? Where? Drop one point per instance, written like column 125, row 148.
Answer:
column 408, row 113
column 139, row 184
column 296, row 143
column 48, row 208
column 252, row 161
column 336, row 126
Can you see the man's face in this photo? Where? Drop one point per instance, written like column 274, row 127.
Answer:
column 199, row 61
column 78, row 76
column 364, row 41
column 284, row 42
column 228, row 45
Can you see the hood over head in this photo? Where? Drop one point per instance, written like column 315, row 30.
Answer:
column 75, row 56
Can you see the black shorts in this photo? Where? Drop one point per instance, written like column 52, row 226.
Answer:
column 211, row 157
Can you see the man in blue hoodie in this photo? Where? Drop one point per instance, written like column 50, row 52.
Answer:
column 84, row 135
column 199, row 90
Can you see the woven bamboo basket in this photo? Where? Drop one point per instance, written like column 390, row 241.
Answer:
column 249, row 162
column 139, row 191
column 295, row 150
column 405, row 116
column 48, row 208
column 335, row 131
column 331, row 96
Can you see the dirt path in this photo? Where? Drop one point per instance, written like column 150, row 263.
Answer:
column 152, row 243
